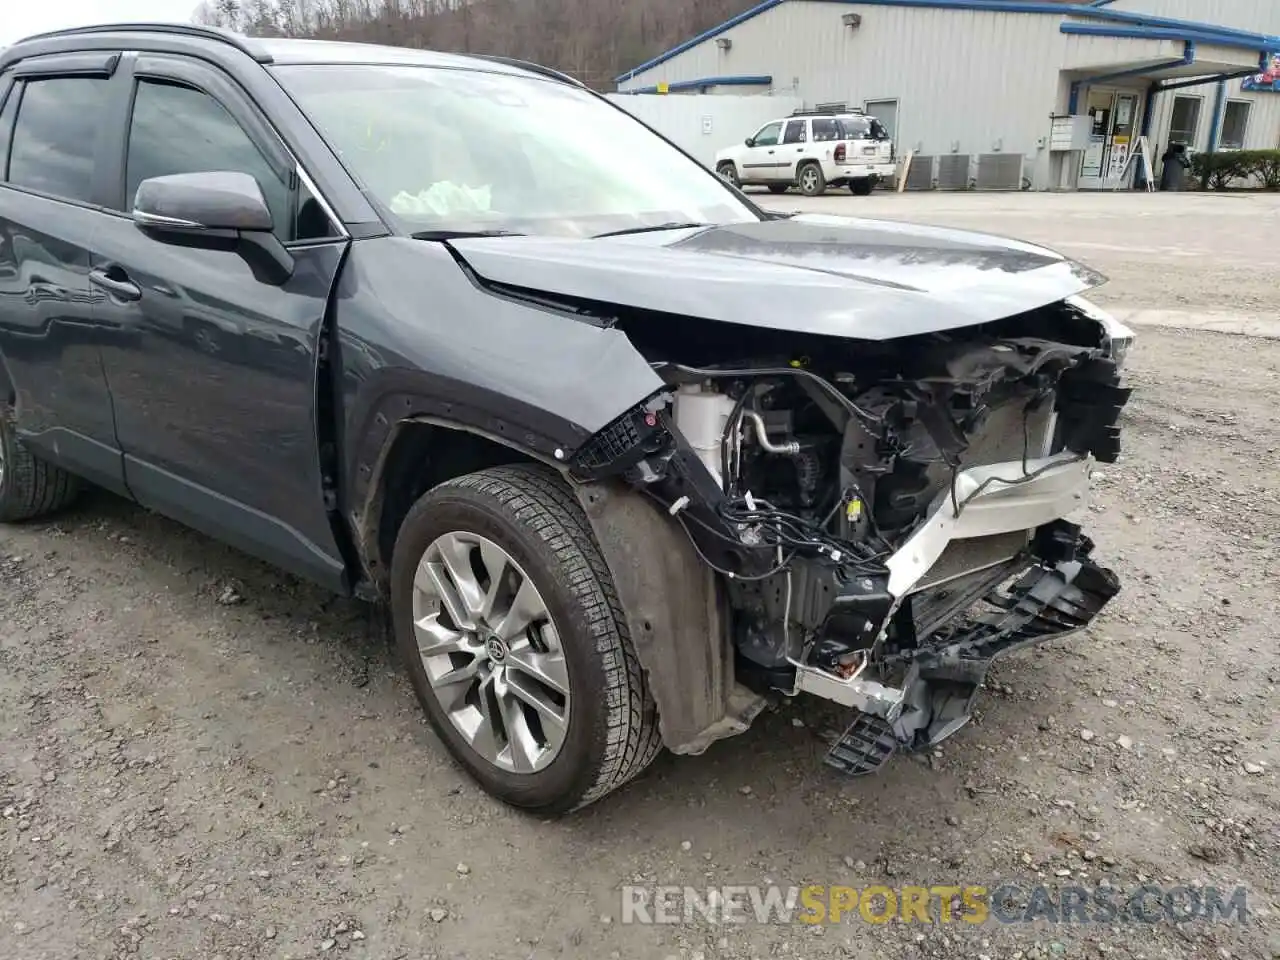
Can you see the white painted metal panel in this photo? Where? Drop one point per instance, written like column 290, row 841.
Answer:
column 1228, row 58
column 1109, row 53
column 701, row 124
column 965, row 81
column 1262, row 133
column 1257, row 16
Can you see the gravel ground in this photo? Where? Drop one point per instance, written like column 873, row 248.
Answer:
column 202, row 758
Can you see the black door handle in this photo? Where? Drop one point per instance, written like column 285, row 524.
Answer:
column 120, row 289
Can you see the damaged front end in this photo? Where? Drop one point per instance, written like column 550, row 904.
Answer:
column 877, row 520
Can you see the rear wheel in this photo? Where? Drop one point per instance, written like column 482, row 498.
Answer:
column 506, row 618
column 29, row 487
column 861, row 188
column 811, row 180
column 779, row 187
column 729, row 172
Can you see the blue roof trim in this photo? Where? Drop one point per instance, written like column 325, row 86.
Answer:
column 1096, row 10
column 758, row 80
column 1160, row 33
column 1073, row 10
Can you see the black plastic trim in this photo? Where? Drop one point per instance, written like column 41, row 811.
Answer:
column 69, row 65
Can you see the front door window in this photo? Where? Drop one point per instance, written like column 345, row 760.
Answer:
column 767, row 136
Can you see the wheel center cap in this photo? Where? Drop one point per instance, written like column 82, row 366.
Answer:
column 496, row 649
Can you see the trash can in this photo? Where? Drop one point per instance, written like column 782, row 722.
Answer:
column 1175, row 164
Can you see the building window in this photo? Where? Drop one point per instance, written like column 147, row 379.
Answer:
column 1184, row 124
column 1235, row 121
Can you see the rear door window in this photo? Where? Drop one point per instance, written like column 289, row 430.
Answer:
column 795, row 132
column 57, row 129
column 826, row 130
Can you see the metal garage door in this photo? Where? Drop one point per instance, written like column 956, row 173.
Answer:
column 886, row 111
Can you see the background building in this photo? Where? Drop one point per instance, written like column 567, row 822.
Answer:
column 973, row 85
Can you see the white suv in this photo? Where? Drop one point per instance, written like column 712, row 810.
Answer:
column 812, row 150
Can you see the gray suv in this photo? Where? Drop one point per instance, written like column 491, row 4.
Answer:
column 625, row 456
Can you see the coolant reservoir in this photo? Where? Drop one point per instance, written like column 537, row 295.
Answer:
column 701, row 416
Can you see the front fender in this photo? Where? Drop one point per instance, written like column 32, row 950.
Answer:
column 675, row 615
column 418, row 335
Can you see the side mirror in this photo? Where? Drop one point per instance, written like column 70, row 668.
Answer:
column 751, row 141
column 219, row 210
column 196, row 202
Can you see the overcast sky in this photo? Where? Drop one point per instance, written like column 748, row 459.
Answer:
column 22, row 18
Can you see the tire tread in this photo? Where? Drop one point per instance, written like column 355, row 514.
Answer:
column 540, row 500
column 32, row 487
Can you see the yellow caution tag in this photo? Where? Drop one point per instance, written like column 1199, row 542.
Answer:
column 664, row 88
column 853, row 509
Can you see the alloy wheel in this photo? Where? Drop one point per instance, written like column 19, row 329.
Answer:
column 491, row 652
column 809, row 180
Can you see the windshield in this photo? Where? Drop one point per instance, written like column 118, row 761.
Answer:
column 452, row 150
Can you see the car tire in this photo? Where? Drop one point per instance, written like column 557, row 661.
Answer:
column 861, row 188
column 811, row 180
column 30, row 488
column 779, row 187
column 729, row 172
column 477, row 686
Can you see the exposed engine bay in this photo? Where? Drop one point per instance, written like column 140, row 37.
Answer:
column 885, row 517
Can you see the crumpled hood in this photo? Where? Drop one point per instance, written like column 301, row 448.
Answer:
column 868, row 279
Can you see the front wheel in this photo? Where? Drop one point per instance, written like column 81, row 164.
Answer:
column 729, row 172
column 30, row 488
column 811, row 180
column 506, row 617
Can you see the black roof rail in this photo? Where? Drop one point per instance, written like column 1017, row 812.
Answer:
column 244, row 44
column 531, row 67
column 828, row 110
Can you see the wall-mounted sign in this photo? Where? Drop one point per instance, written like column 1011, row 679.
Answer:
column 1091, row 163
column 1069, row 133
column 1118, row 159
column 1268, row 80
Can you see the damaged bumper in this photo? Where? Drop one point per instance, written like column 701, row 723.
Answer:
column 1059, row 594
column 937, row 695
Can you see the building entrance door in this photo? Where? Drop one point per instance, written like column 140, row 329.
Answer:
column 1112, row 135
